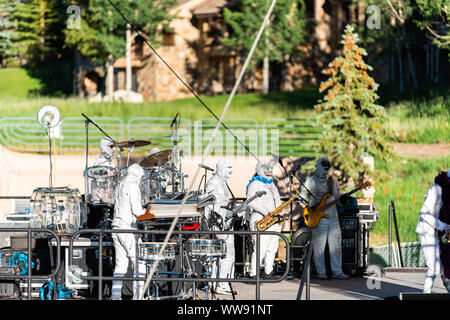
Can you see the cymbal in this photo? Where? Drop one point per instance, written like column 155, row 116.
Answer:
column 156, row 158
column 132, row 143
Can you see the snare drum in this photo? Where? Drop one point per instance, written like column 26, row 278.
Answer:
column 100, row 184
column 207, row 248
column 148, row 251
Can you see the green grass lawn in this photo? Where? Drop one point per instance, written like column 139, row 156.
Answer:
column 406, row 181
column 15, row 83
column 414, row 118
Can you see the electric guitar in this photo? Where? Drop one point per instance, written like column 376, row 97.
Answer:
column 317, row 213
column 226, row 224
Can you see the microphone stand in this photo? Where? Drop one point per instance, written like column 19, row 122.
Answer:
column 86, row 125
column 114, row 141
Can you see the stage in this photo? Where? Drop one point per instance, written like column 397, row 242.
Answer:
column 355, row 288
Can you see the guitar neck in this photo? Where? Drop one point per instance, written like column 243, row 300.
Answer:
column 245, row 202
column 332, row 203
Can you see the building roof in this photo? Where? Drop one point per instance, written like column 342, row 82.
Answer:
column 209, row 8
column 122, row 63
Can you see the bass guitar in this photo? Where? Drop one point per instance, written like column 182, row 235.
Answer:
column 317, row 213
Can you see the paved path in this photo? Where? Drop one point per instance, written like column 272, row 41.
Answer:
column 355, row 288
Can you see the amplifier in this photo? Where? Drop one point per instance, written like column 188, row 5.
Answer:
column 10, row 270
column 9, row 288
column 85, row 263
column 35, row 287
column 78, row 269
column 367, row 211
column 350, row 232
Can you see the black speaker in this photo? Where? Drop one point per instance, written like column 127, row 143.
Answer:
column 350, row 231
column 299, row 243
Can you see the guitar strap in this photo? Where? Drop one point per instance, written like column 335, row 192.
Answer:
column 330, row 184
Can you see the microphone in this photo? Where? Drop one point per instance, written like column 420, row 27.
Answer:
column 174, row 119
column 205, row 167
column 86, row 117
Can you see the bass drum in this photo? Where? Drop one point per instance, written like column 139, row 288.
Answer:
column 100, row 184
column 300, row 242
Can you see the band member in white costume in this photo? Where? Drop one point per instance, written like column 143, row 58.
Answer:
column 328, row 230
column 428, row 227
column 262, row 206
column 106, row 157
column 127, row 207
column 222, row 217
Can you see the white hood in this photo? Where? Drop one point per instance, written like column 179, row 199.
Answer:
column 224, row 168
column 107, row 148
column 264, row 169
column 321, row 172
column 134, row 173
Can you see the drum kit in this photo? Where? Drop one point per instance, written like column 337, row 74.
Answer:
column 162, row 178
column 64, row 210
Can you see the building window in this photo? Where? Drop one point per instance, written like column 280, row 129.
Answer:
column 134, row 81
column 138, row 47
column 169, row 39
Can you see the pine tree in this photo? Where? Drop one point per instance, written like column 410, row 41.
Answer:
column 34, row 32
column 285, row 31
column 354, row 125
column 6, row 30
column 102, row 32
column 435, row 19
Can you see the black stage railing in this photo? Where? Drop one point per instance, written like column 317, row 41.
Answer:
column 29, row 276
column 305, row 279
column 101, row 278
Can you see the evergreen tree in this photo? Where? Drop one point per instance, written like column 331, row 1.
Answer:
column 102, row 32
column 6, row 31
column 35, row 29
column 354, row 125
column 435, row 19
column 283, row 34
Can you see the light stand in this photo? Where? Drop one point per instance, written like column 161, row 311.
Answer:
column 49, row 117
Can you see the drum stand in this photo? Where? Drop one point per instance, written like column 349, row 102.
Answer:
column 149, row 265
column 208, row 265
column 106, row 222
column 148, row 268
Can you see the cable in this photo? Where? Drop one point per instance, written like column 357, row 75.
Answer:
column 183, row 82
column 175, row 220
column 50, row 156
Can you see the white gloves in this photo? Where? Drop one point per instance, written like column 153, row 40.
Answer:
column 244, row 207
column 447, row 228
column 229, row 214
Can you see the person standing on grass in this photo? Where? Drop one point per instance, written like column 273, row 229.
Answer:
column 434, row 221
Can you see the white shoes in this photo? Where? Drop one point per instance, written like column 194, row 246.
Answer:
column 225, row 291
